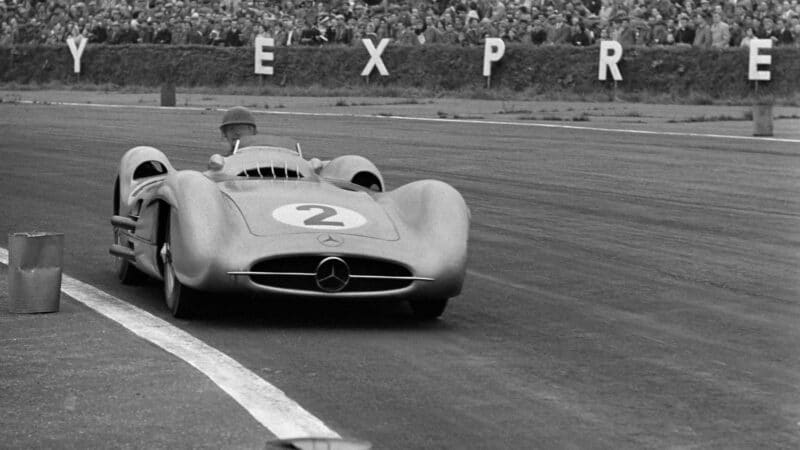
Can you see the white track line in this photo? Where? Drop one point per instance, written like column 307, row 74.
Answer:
column 430, row 119
column 265, row 402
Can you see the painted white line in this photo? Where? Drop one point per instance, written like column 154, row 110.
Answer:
column 434, row 119
column 265, row 402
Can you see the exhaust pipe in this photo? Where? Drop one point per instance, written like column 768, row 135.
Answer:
column 123, row 223
column 121, row 251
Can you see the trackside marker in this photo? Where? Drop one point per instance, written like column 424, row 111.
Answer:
column 430, row 119
column 265, row 402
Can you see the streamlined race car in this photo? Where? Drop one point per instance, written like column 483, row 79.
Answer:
column 265, row 220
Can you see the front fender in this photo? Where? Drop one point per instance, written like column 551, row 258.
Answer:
column 435, row 219
column 203, row 224
column 354, row 169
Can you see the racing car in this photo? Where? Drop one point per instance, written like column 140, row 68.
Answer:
column 265, row 220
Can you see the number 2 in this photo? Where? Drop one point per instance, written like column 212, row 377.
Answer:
column 319, row 219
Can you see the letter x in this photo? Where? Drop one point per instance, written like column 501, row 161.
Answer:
column 375, row 57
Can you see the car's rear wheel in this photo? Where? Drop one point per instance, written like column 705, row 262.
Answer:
column 180, row 299
column 127, row 273
column 428, row 309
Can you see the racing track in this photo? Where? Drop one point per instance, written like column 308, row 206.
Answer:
column 624, row 291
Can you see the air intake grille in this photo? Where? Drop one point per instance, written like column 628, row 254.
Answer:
column 299, row 273
column 271, row 172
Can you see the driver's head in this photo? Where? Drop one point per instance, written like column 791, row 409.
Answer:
column 236, row 123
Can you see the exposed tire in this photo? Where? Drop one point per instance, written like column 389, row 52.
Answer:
column 180, row 299
column 428, row 309
column 127, row 273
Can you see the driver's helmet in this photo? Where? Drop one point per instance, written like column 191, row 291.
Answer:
column 238, row 115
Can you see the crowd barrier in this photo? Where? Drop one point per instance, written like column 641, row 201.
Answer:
column 678, row 72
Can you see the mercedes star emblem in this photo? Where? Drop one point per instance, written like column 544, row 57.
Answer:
column 332, row 274
column 329, row 240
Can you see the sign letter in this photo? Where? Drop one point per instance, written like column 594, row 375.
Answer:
column 610, row 54
column 493, row 51
column 375, row 57
column 756, row 58
column 77, row 51
column 263, row 55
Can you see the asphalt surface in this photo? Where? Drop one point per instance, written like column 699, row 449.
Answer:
column 624, row 291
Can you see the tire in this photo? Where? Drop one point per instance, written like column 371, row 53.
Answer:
column 127, row 273
column 180, row 299
column 428, row 309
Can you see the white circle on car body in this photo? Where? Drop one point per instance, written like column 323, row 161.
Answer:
column 318, row 216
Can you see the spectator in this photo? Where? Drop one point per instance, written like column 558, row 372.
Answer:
column 231, row 34
column 720, row 32
column 127, row 34
column 342, row 34
column 194, row 35
column 767, row 30
column 538, row 33
column 180, row 36
column 472, row 35
column 450, row 36
column 558, row 33
column 783, row 36
column 702, row 32
column 749, row 35
column 405, row 36
column 627, row 35
column 163, row 35
column 578, row 35
column 736, row 34
column 431, row 33
column 607, row 12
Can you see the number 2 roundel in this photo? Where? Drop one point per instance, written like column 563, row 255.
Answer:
column 318, row 216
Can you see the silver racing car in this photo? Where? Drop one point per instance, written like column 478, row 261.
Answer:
column 266, row 220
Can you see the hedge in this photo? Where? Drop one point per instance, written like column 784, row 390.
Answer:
column 674, row 71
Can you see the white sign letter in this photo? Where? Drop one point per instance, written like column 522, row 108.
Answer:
column 263, row 56
column 756, row 58
column 494, row 50
column 375, row 57
column 609, row 60
column 77, row 51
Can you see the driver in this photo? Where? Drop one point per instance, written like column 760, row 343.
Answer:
column 238, row 123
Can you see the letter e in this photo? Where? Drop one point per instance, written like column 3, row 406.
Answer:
column 263, row 56
column 756, row 58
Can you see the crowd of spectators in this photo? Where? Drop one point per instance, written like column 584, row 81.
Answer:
column 698, row 23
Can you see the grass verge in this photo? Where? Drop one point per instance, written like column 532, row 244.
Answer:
column 411, row 95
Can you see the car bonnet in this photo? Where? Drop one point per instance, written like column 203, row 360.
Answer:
column 279, row 207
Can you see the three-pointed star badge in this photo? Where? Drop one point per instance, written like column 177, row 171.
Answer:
column 333, row 274
column 329, row 240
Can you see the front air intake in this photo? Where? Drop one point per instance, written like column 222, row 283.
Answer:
column 312, row 273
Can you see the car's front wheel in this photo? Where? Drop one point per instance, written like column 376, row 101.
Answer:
column 428, row 309
column 180, row 299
